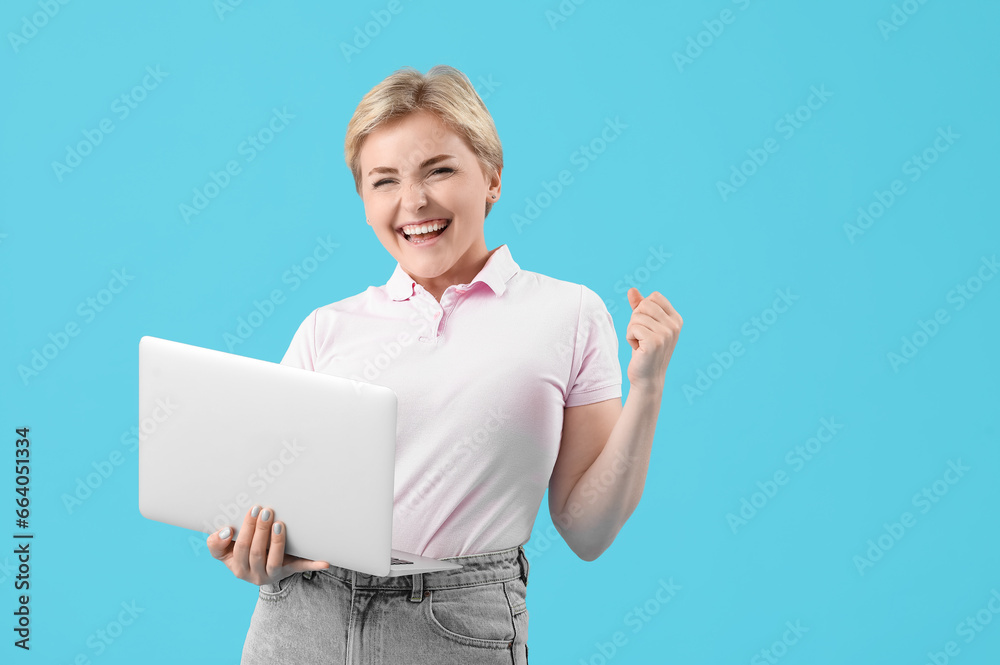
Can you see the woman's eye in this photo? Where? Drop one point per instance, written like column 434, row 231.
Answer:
column 387, row 181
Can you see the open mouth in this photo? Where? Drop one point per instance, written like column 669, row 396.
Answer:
column 434, row 230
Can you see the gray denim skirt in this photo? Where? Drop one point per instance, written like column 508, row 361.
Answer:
column 476, row 614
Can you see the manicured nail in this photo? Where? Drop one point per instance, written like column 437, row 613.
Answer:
column 254, row 511
column 277, row 527
column 266, row 516
column 224, row 533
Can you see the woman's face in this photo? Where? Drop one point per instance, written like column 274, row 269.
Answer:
column 417, row 170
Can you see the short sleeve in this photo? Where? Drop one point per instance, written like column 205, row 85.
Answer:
column 301, row 352
column 596, row 374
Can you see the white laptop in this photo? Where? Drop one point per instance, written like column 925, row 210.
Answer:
column 220, row 433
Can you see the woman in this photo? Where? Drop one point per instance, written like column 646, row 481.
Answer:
column 508, row 383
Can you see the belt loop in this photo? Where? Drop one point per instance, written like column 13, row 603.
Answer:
column 522, row 558
column 417, row 594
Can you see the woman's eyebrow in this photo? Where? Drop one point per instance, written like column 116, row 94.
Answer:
column 424, row 164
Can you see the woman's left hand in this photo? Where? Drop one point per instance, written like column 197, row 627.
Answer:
column 652, row 331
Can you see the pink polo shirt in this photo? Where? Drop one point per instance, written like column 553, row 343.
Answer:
column 482, row 379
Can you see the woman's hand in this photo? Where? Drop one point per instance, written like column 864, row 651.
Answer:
column 652, row 331
column 258, row 555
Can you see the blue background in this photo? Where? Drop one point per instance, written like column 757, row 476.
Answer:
column 551, row 82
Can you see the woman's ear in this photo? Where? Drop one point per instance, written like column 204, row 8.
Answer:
column 494, row 187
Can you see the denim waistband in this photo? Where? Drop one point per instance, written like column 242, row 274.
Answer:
column 484, row 568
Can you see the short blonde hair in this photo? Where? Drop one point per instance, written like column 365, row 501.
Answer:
column 444, row 91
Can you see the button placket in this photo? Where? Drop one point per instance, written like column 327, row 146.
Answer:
column 425, row 310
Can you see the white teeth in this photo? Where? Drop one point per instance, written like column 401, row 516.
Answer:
column 415, row 229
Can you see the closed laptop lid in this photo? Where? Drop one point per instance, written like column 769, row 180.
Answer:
column 221, row 432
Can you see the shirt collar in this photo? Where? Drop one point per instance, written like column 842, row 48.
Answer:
column 499, row 268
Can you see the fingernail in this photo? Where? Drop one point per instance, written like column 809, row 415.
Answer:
column 254, row 511
column 224, row 533
column 277, row 527
column 266, row 516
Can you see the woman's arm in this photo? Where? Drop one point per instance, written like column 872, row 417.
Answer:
column 600, row 472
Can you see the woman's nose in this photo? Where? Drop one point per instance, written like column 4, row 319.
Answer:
column 414, row 196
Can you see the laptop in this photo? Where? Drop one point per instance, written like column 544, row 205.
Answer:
column 220, row 433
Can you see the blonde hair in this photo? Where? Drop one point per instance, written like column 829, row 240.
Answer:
column 444, row 91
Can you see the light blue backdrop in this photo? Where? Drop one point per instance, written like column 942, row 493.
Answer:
column 821, row 179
